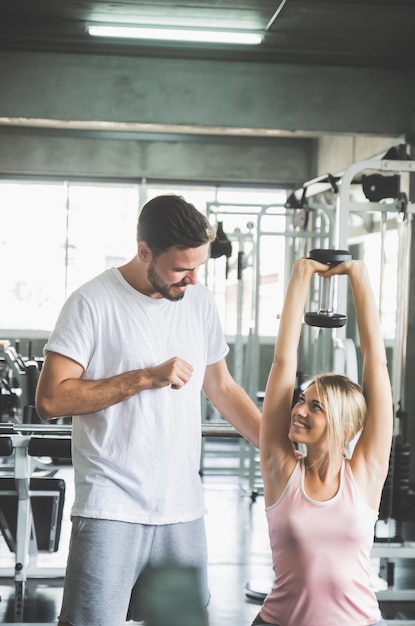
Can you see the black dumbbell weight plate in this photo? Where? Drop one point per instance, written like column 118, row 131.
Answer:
column 329, row 256
column 336, row 320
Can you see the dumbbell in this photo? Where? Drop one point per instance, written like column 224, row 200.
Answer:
column 325, row 318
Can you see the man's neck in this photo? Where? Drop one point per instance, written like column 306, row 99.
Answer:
column 134, row 272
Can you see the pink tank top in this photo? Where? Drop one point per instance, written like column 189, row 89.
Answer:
column 321, row 557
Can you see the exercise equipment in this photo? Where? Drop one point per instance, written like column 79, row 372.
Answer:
column 31, row 506
column 221, row 246
column 325, row 318
column 18, row 380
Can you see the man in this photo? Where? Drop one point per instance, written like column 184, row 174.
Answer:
column 128, row 358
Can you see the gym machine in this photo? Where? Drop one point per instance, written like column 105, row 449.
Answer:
column 19, row 376
column 31, row 500
column 398, row 501
column 235, row 457
column 243, row 248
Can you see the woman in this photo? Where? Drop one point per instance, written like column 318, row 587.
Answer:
column 321, row 507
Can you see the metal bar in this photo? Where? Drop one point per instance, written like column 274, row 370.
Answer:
column 390, row 551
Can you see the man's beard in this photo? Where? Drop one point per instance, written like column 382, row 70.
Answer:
column 163, row 288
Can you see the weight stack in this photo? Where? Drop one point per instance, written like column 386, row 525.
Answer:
column 398, row 501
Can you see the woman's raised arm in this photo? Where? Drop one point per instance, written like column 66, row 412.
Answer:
column 275, row 447
column 370, row 460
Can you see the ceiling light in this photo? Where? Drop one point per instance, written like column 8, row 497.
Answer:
column 177, row 34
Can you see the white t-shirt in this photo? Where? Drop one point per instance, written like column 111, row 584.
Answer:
column 139, row 460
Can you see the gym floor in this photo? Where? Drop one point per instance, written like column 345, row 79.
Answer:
column 238, row 552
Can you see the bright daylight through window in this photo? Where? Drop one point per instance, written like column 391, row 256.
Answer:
column 56, row 236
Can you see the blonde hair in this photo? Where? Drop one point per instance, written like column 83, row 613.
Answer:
column 345, row 408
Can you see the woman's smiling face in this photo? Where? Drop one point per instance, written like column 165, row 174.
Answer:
column 308, row 418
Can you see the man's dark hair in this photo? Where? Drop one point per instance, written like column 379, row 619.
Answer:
column 169, row 220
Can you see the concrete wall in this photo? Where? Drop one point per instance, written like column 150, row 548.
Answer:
column 198, row 120
column 206, row 93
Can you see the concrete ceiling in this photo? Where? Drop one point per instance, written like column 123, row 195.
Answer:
column 354, row 33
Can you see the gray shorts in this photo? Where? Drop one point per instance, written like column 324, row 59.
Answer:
column 107, row 557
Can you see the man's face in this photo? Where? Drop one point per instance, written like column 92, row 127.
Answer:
column 172, row 271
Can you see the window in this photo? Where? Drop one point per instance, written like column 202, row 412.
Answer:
column 56, row 236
